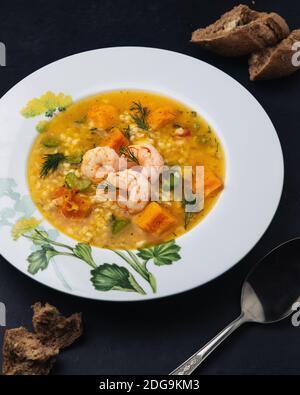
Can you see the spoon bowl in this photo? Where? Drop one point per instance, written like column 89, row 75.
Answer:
column 268, row 295
column 273, row 286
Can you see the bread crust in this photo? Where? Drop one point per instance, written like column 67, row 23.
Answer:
column 24, row 354
column 241, row 31
column 53, row 329
column 274, row 62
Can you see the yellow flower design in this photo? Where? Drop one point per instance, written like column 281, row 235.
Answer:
column 63, row 101
column 24, row 225
column 33, row 108
column 49, row 102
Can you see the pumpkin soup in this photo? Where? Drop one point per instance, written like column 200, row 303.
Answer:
column 118, row 143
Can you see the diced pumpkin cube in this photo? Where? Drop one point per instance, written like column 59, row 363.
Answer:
column 161, row 117
column 116, row 140
column 155, row 219
column 102, row 116
column 212, row 183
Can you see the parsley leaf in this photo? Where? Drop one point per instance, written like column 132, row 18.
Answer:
column 118, row 224
column 162, row 254
column 39, row 260
column 113, row 277
column 84, row 252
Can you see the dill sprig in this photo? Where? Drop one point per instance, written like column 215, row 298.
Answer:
column 127, row 132
column 187, row 215
column 51, row 163
column 129, row 154
column 140, row 115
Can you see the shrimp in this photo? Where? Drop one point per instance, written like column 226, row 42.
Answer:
column 149, row 159
column 133, row 190
column 98, row 162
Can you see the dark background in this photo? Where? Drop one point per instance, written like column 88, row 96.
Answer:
column 154, row 337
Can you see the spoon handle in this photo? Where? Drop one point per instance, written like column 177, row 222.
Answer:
column 195, row 360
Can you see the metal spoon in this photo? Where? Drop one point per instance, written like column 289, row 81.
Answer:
column 268, row 295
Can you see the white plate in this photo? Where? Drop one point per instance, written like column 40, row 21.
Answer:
column 254, row 177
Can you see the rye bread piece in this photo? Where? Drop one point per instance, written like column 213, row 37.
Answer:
column 242, row 31
column 24, row 354
column 274, row 62
column 53, row 329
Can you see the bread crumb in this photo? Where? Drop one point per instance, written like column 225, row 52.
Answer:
column 53, row 329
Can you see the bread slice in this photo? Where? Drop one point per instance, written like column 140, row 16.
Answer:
column 274, row 62
column 24, row 354
column 242, row 31
column 53, row 329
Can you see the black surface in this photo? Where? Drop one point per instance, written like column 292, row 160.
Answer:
column 154, row 337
